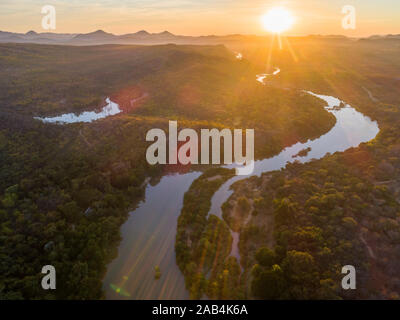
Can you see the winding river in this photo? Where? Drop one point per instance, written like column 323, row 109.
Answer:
column 261, row 77
column 351, row 129
column 149, row 233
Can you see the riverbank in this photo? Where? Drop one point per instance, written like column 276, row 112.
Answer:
column 350, row 123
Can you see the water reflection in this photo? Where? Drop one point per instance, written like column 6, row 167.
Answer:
column 149, row 241
column 261, row 77
column 351, row 129
column 110, row 109
column 149, row 233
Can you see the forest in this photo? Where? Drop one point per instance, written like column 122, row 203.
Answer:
column 299, row 226
column 65, row 190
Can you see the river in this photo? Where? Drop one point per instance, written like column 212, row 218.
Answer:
column 148, row 236
column 110, row 109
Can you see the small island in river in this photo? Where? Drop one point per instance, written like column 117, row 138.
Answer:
column 302, row 153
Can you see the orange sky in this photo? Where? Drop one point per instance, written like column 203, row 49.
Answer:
column 199, row 17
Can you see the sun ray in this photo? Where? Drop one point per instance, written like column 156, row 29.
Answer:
column 294, row 56
column 271, row 48
column 279, row 41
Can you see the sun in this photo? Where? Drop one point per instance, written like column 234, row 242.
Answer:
column 277, row 20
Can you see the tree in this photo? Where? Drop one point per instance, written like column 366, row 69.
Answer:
column 265, row 257
column 301, row 271
column 269, row 284
column 244, row 204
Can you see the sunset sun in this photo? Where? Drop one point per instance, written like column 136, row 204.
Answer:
column 277, row 20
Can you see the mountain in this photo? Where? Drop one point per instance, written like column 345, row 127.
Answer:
column 9, row 35
column 384, row 37
column 34, row 37
column 31, row 33
column 97, row 36
column 12, row 38
column 393, row 36
column 141, row 37
column 143, row 34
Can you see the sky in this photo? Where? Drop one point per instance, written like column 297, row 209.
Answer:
column 199, row 17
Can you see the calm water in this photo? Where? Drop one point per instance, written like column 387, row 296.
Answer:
column 149, row 241
column 149, row 233
column 351, row 129
column 261, row 77
column 110, row 109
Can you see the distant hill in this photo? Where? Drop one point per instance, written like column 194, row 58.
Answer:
column 31, row 33
column 146, row 38
column 97, row 36
column 141, row 37
column 34, row 37
column 384, row 37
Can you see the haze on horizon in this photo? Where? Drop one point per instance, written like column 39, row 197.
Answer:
column 194, row 17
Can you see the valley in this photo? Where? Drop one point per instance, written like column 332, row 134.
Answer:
column 81, row 187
